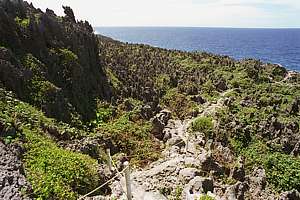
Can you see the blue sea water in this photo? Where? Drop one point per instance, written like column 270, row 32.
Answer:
column 281, row 46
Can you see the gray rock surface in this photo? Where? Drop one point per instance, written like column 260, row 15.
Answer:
column 188, row 174
column 290, row 195
column 12, row 179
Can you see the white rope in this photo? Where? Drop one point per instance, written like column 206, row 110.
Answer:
column 119, row 173
column 82, row 197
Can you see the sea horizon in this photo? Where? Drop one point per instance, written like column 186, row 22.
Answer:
column 271, row 45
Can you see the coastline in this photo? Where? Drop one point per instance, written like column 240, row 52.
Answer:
column 268, row 45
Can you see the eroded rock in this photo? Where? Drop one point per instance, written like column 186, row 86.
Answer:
column 12, row 178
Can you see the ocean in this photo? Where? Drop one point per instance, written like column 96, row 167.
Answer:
column 280, row 46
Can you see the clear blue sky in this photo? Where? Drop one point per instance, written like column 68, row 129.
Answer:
column 203, row 13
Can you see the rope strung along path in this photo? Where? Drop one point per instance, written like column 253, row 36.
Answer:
column 82, row 197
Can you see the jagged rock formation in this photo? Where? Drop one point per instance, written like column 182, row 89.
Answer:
column 50, row 61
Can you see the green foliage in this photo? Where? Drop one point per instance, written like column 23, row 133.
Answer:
column 178, row 193
column 39, row 90
column 162, row 82
column 32, row 63
column 55, row 172
column 116, row 83
column 283, row 171
column 68, row 56
column 179, row 104
column 206, row 197
column 165, row 191
column 132, row 136
column 24, row 23
column 52, row 171
column 279, row 73
column 204, row 125
column 8, row 139
column 103, row 115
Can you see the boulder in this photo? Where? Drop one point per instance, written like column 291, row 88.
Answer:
column 12, row 178
column 236, row 191
column 290, row 195
column 198, row 99
column 159, row 122
column 238, row 172
column 257, row 182
column 294, row 107
column 176, row 141
column 200, row 185
column 69, row 14
column 221, row 85
column 296, row 150
column 187, row 174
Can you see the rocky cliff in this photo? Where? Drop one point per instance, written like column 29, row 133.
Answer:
column 50, row 61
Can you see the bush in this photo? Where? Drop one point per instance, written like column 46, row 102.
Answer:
column 104, row 113
column 133, row 138
column 283, row 171
column 206, row 197
column 180, row 105
column 24, row 23
column 55, row 173
column 204, row 125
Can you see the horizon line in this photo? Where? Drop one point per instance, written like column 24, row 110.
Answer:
column 196, row 27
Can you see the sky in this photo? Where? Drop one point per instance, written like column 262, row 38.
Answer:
column 187, row 13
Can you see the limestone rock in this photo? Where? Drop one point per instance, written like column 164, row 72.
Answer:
column 200, row 185
column 188, row 174
column 236, row 191
column 159, row 122
column 290, row 195
column 12, row 178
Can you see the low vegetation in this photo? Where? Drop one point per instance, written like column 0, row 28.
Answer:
column 72, row 91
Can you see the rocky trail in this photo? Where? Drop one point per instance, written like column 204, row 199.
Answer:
column 177, row 173
column 187, row 169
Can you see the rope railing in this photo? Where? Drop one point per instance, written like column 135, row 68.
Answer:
column 112, row 166
column 101, row 186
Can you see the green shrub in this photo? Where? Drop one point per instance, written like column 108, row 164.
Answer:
column 179, row 104
column 206, row 197
column 55, row 173
column 204, row 125
column 116, row 83
column 178, row 193
column 133, row 138
column 283, row 171
column 162, row 82
column 24, row 23
column 32, row 63
column 104, row 113
column 68, row 56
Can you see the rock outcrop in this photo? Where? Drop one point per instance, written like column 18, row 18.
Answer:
column 50, row 61
column 13, row 185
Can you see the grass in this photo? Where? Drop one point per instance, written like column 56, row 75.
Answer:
column 203, row 125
